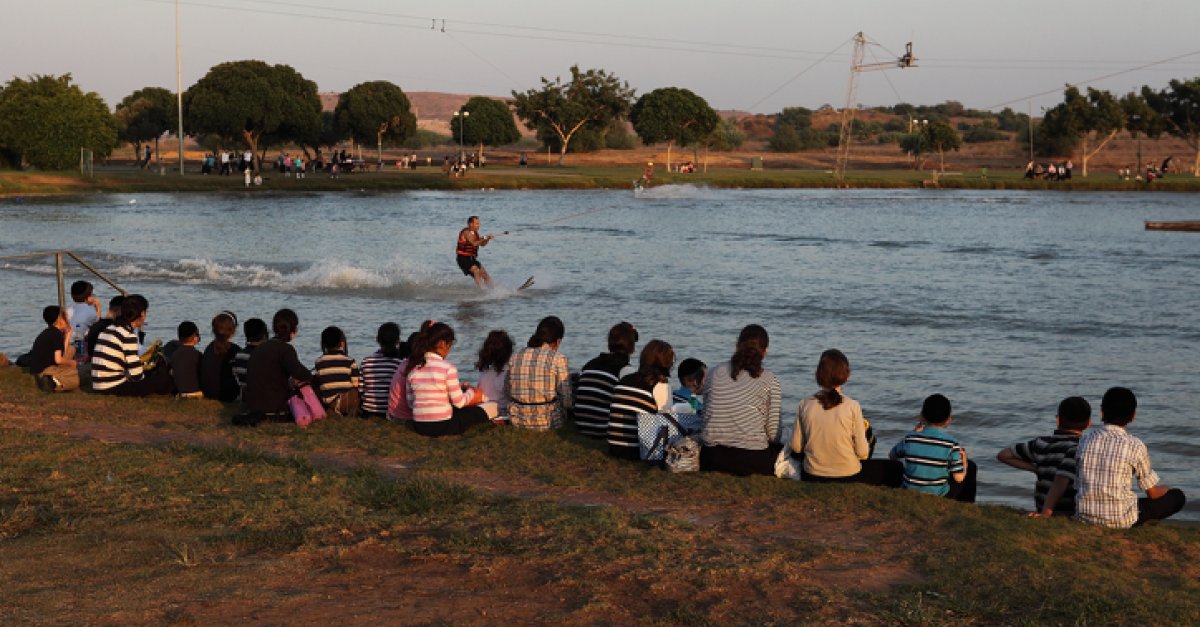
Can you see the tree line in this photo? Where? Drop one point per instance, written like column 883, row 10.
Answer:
column 46, row 120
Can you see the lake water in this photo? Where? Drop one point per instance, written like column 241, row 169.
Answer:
column 1006, row 302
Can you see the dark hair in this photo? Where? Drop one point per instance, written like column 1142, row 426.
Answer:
column 437, row 333
column 187, row 329
column 1118, row 406
column 115, row 302
column 407, row 348
column 496, row 350
column 1074, row 413
column 549, row 330
column 936, row 410
column 471, row 219
column 80, row 290
column 285, row 323
column 833, row 370
column 388, row 338
column 331, row 339
column 751, row 348
column 132, row 307
column 654, row 364
column 224, row 325
column 622, row 339
column 690, row 368
column 51, row 313
column 255, row 329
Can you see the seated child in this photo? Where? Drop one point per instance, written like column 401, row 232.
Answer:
column 216, row 364
column 1107, row 461
column 83, row 314
column 52, row 358
column 336, row 376
column 378, row 370
column 185, row 361
column 98, row 327
column 691, row 379
column 256, row 333
column 934, row 462
column 492, row 365
column 1052, row 459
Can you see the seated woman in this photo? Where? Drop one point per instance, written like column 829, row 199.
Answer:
column 378, row 369
column 441, row 405
column 831, row 433
column 492, row 365
column 538, row 387
column 593, row 392
column 116, row 366
column 270, row 371
column 216, row 364
column 741, row 411
column 643, row 392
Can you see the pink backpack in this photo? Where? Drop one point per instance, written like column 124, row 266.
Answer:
column 305, row 406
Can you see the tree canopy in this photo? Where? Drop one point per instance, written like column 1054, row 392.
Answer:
column 1179, row 107
column 673, row 115
column 490, row 123
column 590, row 99
column 45, row 120
column 1092, row 120
column 255, row 102
column 146, row 114
column 376, row 113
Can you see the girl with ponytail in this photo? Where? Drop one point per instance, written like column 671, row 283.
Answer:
column 441, row 404
column 216, row 365
column 538, row 386
column 831, row 434
column 271, row 367
column 399, row 405
column 742, row 413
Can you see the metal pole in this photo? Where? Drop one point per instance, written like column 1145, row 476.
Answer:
column 179, row 86
column 58, row 271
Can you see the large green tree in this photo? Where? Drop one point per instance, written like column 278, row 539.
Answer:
column 940, row 136
column 46, row 120
column 145, row 115
column 1179, row 107
column 672, row 115
column 1092, row 120
column 259, row 103
column 590, row 99
column 489, row 122
column 376, row 112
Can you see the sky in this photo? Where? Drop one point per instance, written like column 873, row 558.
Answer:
column 753, row 55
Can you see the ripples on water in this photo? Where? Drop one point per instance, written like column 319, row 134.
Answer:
column 1005, row 302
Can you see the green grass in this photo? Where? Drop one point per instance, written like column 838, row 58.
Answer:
column 621, row 541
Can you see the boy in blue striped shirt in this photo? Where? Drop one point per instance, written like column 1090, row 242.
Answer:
column 934, row 462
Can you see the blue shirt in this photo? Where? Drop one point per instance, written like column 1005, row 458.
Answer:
column 684, row 395
column 929, row 456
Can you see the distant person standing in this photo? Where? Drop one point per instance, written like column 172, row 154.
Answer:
column 469, row 242
column 146, row 159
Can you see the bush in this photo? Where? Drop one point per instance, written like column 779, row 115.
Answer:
column 618, row 137
column 427, row 139
column 983, row 132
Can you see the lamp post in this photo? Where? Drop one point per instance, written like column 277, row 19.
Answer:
column 1137, row 123
column 462, row 115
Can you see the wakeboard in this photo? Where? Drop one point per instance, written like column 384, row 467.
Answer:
column 527, row 284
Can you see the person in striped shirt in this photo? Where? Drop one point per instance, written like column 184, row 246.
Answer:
column 116, row 365
column 593, row 392
column 1052, row 459
column 538, row 386
column 934, row 462
column 399, row 404
column 378, row 370
column 336, row 376
column 742, row 403
column 441, row 404
column 643, row 392
column 256, row 333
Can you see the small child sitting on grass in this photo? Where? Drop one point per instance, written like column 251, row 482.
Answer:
column 336, row 375
column 1052, row 459
column 1107, row 461
column 256, row 333
column 691, row 379
column 185, row 361
column 52, row 358
column 934, row 462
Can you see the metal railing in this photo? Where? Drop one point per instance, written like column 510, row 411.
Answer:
column 58, row 268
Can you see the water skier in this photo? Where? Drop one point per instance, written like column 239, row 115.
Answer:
column 469, row 242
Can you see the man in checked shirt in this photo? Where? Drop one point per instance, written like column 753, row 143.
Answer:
column 1108, row 459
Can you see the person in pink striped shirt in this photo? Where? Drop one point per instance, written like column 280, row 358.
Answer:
column 441, row 404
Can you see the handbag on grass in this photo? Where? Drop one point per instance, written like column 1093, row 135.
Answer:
column 656, row 431
column 305, row 406
column 683, row 454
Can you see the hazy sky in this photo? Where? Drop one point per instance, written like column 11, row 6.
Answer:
column 738, row 55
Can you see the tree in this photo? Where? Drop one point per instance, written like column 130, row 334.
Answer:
column 376, row 112
column 672, row 115
column 490, row 123
column 330, row 134
column 1179, row 107
column 913, row 144
column 940, row 136
column 45, row 120
column 1093, row 120
column 260, row 104
column 590, row 99
column 145, row 115
column 727, row 136
column 798, row 118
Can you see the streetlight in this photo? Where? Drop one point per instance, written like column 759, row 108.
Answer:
column 462, row 122
column 1137, row 119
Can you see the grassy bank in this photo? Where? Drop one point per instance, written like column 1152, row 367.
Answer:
column 158, row 511
column 19, row 184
